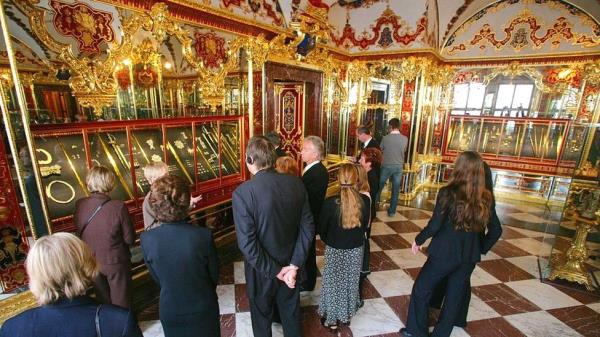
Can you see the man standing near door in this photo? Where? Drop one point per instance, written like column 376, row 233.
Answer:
column 315, row 179
column 366, row 140
column 394, row 147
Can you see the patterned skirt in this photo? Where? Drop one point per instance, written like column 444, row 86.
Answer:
column 340, row 292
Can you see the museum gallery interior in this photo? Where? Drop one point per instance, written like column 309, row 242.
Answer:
column 127, row 83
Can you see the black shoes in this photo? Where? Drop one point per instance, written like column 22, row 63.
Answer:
column 405, row 333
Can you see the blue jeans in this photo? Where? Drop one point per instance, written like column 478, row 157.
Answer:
column 387, row 172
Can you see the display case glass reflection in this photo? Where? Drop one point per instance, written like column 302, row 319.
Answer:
column 110, row 149
column 147, row 145
column 490, row 137
column 230, row 147
column 207, row 148
column 63, row 167
column 180, row 152
column 510, row 138
column 464, row 134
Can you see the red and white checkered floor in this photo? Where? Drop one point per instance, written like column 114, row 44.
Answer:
column 508, row 298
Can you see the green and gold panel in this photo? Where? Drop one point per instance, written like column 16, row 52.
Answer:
column 180, row 152
column 63, row 167
column 490, row 137
column 110, row 149
column 574, row 143
column 536, row 142
column 464, row 134
column 511, row 138
column 230, row 147
column 207, row 148
column 147, row 145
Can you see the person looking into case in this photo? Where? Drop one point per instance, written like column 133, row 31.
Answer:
column 61, row 267
column 182, row 259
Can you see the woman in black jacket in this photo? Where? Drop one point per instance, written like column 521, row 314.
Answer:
column 183, row 261
column 342, row 224
column 463, row 211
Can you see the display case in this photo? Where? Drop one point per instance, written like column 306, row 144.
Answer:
column 205, row 151
column 535, row 145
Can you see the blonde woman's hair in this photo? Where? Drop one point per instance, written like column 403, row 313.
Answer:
column 155, row 170
column 100, row 179
column 60, row 265
column 286, row 165
column 351, row 202
column 362, row 185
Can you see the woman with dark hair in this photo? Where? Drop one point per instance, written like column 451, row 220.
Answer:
column 463, row 211
column 342, row 224
column 183, row 261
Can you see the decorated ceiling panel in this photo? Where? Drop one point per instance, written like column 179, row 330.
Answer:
column 524, row 27
column 263, row 11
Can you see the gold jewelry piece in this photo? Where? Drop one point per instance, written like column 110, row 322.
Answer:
column 179, row 144
column 79, row 180
column 156, row 158
column 47, row 171
column 181, row 165
column 150, row 143
column 51, row 197
column 48, row 158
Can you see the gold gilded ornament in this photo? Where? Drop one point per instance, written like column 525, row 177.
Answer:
column 53, row 198
column 46, row 160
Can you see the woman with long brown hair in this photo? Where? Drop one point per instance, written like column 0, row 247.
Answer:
column 463, row 212
column 342, row 224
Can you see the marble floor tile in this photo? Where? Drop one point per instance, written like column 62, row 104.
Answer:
column 320, row 264
column 226, row 274
column 420, row 223
column 479, row 310
column 579, row 293
column 494, row 327
column 404, row 226
column 383, row 216
column 374, row 246
column 311, row 324
column 527, row 232
column 506, row 249
column 532, row 246
column 508, row 233
column 228, row 325
column 404, row 258
column 540, row 323
column 543, row 295
column 391, row 282
column 581, row 318
column 308, row 298
column 226, row 294
column 375, row 318
column 412, row 272
column 380, row 261
column 410, row 237
column 399, row 305
column 527, row 263
column 151, row 329
column 504, row 270
column 413, row 214
column 243, row 325
column 238, row 273
column 532, row 218
column 490, row 256
column 380, row 228
column 390, row 241
column 595, row 307
column 241, row 298
column 503, row 299
column 369, row 290
column 480, row 277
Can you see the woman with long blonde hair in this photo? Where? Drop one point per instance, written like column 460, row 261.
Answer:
column 342, row 224
column 463, row 226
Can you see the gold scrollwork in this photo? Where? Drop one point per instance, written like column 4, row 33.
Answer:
column 53, row 198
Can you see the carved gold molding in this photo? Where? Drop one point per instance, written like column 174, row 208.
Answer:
column 16, row 304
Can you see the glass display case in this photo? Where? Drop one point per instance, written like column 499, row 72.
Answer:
column 529, row 144
column 205, row 151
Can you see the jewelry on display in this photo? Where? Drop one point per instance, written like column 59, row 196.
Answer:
column 156, row 158
column 53, row 198
column 48, row 158
column 112, row 162
column 46, row 171
column 72, row 166
column 140, row 147
column 179, row 144
column 150, row 143
column 183, row 168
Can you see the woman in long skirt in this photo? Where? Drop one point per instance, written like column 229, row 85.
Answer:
column 342, row 224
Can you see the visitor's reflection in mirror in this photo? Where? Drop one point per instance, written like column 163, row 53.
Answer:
column 38, row 228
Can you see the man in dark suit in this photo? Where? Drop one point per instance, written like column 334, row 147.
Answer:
column 275, row 139
column 366, row 141
column 275, row 230
column 315, row 179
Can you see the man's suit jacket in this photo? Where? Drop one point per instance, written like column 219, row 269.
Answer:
column 373, row 143
column 183, row 261
column 110, row 233
column 273, row 222
column 457, row 246
column 316, row 180
column 72, row 318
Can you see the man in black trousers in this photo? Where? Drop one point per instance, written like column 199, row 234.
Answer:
column 315, row 179
column 275, row 229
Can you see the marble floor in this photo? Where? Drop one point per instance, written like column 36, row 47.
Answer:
column 508, row 298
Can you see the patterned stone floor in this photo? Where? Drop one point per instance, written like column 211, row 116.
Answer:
column 508, row 298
